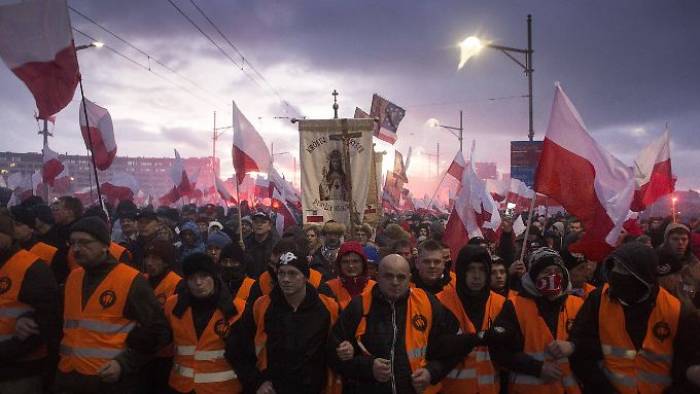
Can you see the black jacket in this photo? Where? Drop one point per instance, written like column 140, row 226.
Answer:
column 382, row 340
column 259, row 254
column 586, row 338
column 296, row 341
column 150, row 334
column 40, row 291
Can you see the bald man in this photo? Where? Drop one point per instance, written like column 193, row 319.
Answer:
column 394, row 329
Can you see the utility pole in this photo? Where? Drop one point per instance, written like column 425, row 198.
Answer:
column 216, row 134
column 46, row 134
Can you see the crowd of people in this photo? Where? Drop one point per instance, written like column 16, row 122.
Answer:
column 194, row 300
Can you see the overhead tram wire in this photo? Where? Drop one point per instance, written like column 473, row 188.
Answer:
column 480, row 100
column 243, row 58
column 129, row 59
column 141, row 51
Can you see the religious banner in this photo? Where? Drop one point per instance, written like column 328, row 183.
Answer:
column 336, row 157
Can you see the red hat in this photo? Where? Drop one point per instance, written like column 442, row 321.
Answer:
column 351, row 247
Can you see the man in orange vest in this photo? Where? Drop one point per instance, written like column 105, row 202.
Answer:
column 279, row 344
column 395, row 332
column 352, row 273
column 233, row 262
column 631, row 336
column 29, row 316
column 25, row 220
column 431, row 274
column 580, row 269
column 531, row 323
column 159, row 258
column 200, row 318
column 112, row 322
column 476, row 306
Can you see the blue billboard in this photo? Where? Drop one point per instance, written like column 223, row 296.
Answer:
column 524, row 157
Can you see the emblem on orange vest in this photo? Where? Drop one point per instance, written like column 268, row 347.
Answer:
column 161, row 298
column 5, row 284
column 661, row 330
column 419, row 322
column 221, row 328
column 107, row 298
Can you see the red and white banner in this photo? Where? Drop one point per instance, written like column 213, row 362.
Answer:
column 520, row 195
column 652, row 173
column 588, row 181
column 37, row 45
column 99, row 133
column 121, row 187
column 474, row 208
column 456, row 169
column 497, row 189
column 52, row 166
column 250, row 154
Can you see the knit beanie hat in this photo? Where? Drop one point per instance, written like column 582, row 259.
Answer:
column 199, row 262
column 218, row 239
column 372, row 254
column 297, row 260
column 352, row 247
column 669, row 263
column 94, row 226
column 162, row 249
column 233, row 251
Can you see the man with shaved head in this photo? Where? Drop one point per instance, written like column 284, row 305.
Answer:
column 398, row 336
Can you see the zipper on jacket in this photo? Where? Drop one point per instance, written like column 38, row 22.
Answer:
column 393, row 346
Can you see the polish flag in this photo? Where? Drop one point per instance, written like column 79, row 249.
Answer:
column 284, row 218
column 178, row 174
column 588, row 181
column 37, row 45
column 519, row 194
column 262, row 188
column 223, row 192
column 285, row 188
column 52, row 166
column 249, row 151
column 497, row 189
column 121, row 187
column 170, row 197
column 652, row 173
column 457, row 166
column 98, row 133
column 474, row 208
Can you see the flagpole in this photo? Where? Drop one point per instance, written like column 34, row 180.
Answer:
column 527, row 227
column 437, row 188
column 238, row 193
column 92, row 152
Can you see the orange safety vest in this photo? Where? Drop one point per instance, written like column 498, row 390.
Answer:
column 537, row 337
column 199, row 364
column 11, row 278
column 167, row 287
column 244, row 291
column 45, row 251
column 342, row 295
column 333, row 381
column 115, row 250
column 265, row 281
column 476, row 373
column 649, row 369
column 96, row 334
column 419, row 313
column 587, row 290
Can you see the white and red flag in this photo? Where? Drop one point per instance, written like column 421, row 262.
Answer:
column 520, row 194
column 652, row 173
column 37, row 45
column 99, row 133
column 456, row 169
column 474, row 208
column 179, row 176
column 250, row 154
column 223, row 191
column 584, row 178
column 52, row 166
column 284, row 218
column 497, row 189
column 122, row 186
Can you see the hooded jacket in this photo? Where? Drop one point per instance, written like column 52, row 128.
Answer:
column 641, row 262
column 507, row 351
column 355, row 285
column 688, row 257
column 197, row 247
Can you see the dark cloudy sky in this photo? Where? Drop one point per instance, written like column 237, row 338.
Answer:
column 629, row 67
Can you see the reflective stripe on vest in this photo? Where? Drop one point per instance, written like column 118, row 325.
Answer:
column 537, row 336
column 208, row 377
column 649, row 369
column 15, row 312
column 96, row 333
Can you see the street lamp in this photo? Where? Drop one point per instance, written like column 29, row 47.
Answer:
column 96, row 44
column 432, row 122
column 473, row 45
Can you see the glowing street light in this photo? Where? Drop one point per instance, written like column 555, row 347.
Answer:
column 432, row 122
column 472, row 45
column 95, row 44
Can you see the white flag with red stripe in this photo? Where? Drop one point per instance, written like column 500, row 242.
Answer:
column 497, row 189
column 456, row 169
column 474, row 208
column 98, row 133
column 37, row 45
column 652, row 173
column 520, row 194
column 179, row 176
column 250, row 154
column 222, row 190
column 52, row 166
column 588, row 181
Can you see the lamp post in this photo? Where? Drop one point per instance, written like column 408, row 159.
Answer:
column 453, row 129
column 472, row 45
